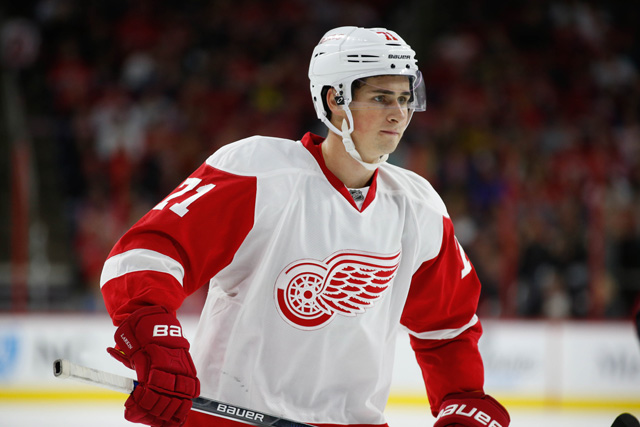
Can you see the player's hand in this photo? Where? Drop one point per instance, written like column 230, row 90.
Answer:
column 472, row 410
column 150, row 341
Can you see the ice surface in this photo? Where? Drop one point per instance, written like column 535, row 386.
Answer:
column 109, row 414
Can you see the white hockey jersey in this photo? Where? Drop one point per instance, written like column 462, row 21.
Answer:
column 306, row 290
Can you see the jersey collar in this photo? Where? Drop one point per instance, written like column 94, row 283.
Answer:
column 313, row 143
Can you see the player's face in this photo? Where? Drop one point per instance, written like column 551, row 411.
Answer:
column 380, row 114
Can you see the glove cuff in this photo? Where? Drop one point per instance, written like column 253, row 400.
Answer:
column 472, row 410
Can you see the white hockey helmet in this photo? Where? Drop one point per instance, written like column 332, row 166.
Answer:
column 346, row 54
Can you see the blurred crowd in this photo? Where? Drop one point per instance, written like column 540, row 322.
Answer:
column 531, row 134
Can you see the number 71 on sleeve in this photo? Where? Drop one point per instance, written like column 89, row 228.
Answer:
column 189, row 184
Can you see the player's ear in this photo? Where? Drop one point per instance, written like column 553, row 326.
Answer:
column 332, row 103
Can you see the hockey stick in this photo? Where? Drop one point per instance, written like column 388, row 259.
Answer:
column 63, row 368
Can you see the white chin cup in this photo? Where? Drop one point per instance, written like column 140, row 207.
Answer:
column 351, row 149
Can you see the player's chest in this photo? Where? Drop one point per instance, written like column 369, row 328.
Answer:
column 327, row 221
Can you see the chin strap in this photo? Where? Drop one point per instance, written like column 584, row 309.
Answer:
column 351, row 149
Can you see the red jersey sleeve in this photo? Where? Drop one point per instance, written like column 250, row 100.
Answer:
column 444, row 329
column 180, row 244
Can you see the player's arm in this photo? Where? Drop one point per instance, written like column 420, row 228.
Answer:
column 179, row 244
column 172, row 251
column 440, row 315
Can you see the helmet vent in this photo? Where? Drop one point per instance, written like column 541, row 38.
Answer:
column 363, row 58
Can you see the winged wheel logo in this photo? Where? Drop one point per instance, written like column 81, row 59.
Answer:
column 310, row 293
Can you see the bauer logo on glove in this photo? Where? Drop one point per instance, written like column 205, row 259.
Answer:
column 167, row 330
column 472, row 410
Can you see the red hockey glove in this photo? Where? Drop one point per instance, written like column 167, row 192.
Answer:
column 150, row 341
column 472, row 410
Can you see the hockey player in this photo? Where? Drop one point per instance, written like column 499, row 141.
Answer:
column 315, row 252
